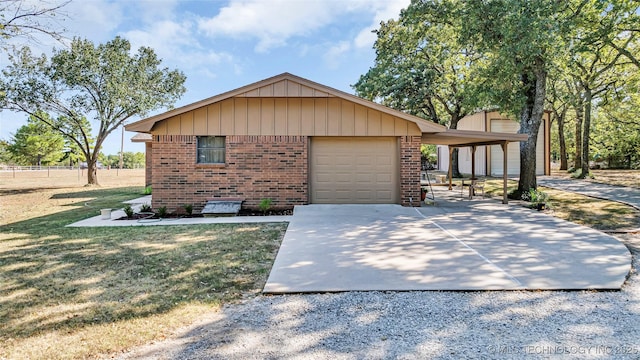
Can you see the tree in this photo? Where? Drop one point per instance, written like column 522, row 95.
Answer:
column 104, row 83
column 559, row 107
column 20, row 18
column 35, row 143
column 521, row 38
column 421, row 67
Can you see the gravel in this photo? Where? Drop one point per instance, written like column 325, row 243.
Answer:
column 419, row 325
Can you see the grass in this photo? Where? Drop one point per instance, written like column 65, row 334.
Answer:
column 86, row 292
column 629, row 178
column 580, row 209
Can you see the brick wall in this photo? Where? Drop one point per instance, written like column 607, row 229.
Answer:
column 410, row 170
column 257, row 167
column 148, row 163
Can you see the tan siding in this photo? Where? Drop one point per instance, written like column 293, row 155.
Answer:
column 360, row 120
column 348, row 119
column 293, row 89
column 387, row 125
column 293, row 116
column 267, row 123
column 281, row 112
column 173, row 125
column 213, row 120
column 186, row 123
column 266, row 91
column 200, row 121
column 226, row 117
column 159, row 128
column 306, row 91
column 307, row 118
column 333, row 117
column 319, row 126
column 373, row 122
column 252, row 93
column 401, row 127
column 280, row 89
column 254, row 110
column 240, row 116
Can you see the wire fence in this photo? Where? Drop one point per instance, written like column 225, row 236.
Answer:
column 51, row 171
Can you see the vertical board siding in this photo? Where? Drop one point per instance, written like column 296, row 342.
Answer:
column 267, row 117
column 240, row 116
column 306, row 116
column 293, row 116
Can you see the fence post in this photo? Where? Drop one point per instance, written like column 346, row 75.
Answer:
column 48, row 171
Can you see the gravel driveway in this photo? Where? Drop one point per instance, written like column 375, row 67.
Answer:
column 419, row 325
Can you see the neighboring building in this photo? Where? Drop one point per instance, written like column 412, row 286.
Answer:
column 489, row 160
column 290, row 140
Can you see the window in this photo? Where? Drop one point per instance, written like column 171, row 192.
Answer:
column 211, row 150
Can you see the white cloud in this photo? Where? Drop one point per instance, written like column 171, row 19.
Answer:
column 333, row 56
column 384, row 11
column 94, row 20
column 272, row 22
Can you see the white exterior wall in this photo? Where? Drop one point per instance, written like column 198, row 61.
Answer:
column 497, row 123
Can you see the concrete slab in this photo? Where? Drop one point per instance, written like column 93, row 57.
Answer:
column 456, row 245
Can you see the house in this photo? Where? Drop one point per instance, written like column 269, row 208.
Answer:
column 287, row 139
column 489, row 161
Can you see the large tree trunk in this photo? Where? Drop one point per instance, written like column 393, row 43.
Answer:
column 586, row 131
column 92, row 169
column 455, row 158
column 563, row 145
column 530, row 120
column 578, row 157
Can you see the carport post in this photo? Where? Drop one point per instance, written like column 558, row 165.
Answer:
column 473, row 162
column 505, row 199
column 450, row 167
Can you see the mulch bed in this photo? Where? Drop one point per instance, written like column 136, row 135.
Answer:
column 243, row 212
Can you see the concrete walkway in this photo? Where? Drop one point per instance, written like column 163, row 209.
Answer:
column 98, row 221
column 456, row 245
column 622, row 194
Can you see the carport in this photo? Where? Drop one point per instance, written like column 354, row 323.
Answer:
column 464, row 138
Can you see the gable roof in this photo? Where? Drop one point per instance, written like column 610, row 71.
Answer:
column 313, row 90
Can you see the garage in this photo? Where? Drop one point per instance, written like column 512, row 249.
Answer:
column 508, row 126
column 354, row 170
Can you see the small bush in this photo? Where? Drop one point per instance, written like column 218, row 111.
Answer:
column 146, row 208
column 265, row 205
column 188, row 208
column 147, row 190
column 161, row 212
column 128, row 210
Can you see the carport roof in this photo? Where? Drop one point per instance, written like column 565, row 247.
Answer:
column 463, row 138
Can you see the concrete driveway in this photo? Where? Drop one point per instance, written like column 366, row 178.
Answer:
column 456, row 245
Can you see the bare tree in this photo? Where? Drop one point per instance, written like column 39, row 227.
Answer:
column 27, row 19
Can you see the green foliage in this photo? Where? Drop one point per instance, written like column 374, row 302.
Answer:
column 107, row 81
column 146, row 208
column 128, row 210
column 35, row 143
column 535, row 196
column 161, row 212
column 147, row 190
column 265, row 205
column 421, row 67
column 188, row 208
column 130, row 160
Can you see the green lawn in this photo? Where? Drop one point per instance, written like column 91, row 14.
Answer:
column 79, row 292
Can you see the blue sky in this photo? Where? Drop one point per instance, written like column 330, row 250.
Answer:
column 222, row 45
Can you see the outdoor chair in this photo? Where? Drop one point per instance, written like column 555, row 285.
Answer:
column 478, row 185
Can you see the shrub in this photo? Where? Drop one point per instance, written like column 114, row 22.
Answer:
column 265, row 205
column 146, row 208
column 161, row 212
column 188, row 208
column 128, row 210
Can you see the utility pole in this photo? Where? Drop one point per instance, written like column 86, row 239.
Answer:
column 121, row 149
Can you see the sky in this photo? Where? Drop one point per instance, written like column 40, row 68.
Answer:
column 221, row 45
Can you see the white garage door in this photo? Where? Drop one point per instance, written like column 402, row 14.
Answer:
column 513, row 160
column 354, row 170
